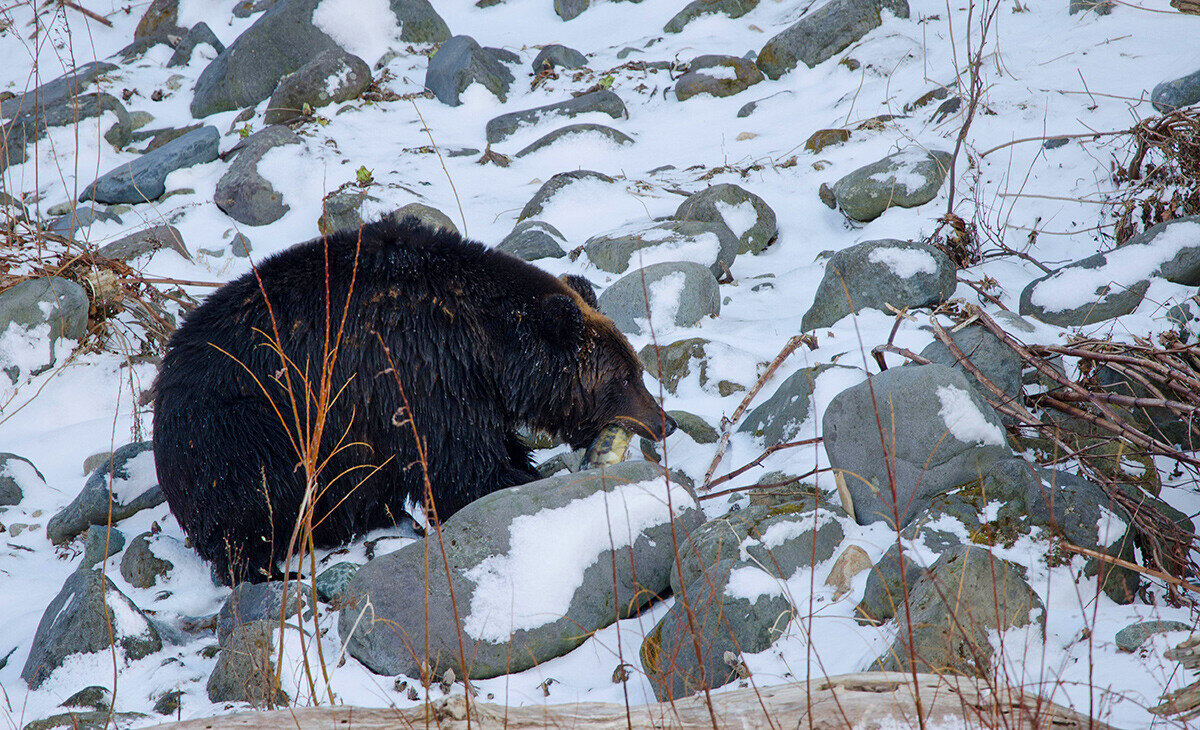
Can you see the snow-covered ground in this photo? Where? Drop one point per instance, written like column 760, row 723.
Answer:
column 1046, row 73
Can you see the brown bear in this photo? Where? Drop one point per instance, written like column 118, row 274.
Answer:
column 340, row 349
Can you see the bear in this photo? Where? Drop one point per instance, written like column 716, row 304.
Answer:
column 398, row 362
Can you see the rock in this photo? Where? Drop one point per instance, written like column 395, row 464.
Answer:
column 342, row 210
column 332, row 582
column 823, row 138
column 1177, row 93
column 853, row 561
column 199, row 33
column 94, row 697
column 460, row 62
column 679, row 294
column 906, row 179
column 570, row 9
column 780, row 417
column 966, row 594
column 718, row 76
column 140, row 567
column 1110, row 284
column 254, row 602
column 1133, row 636
column 143, row 180
column 874, row 274
column 532, row 240
column 87, row 720
column 1099, row 7
column 18, row 475
column 100, row 543
column 996, row 360
column 750, row 107
column 58, row 305
column 160, row 19
column 747, row 215
column 240, row 246
column 696, row 8
column 604, row 101
column 600, row 131
column 127, row 480
column 246, row 8
column 146, row 241
column 822, row 33
column 511, row 618
column 87, row 615
column 281, row 41
column 32, row 120
column 54, row 93
column 84, row 216
column 671, row 363
column 557, row 55
column 245, row 670
column 695, row 427
column 332, row 77
column 940, row 433
column 555, row 185
column 708, row 243
column 245, row 195
column 428, row 215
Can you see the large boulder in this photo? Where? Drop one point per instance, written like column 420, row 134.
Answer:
column 875, row 274
column 573, row 133
column 18, row 476
column 604, row 101
column 908, row 434
column 460, row 62
column 556, row 185
column 497, row 598
column 823, row 32
column 696, row 8
column 717, row 75
column 125, row 484
column 245, row 195
column 45, row 310
column 144, row 179
column 779, row 418
column 332, row 77
column 667, row 295
column 906, row 179
column 711, row 244
column 747, row 215
column 1168, row 96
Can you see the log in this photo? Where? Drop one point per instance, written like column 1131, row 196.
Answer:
column 868, row 699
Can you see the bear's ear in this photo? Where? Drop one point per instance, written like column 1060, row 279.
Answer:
column 583, row 287
column 561, row 321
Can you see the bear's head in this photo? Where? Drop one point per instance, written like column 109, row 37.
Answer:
column 601, row 377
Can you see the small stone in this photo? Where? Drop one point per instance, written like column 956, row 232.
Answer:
column 245, row 670
column 17, row 476
column 99, row 544
column 573, row 131
column 570, row 9
column 460, row 62
column 745, row 214
column 332, row 582
column 822, row 33
column 199, row 33
column 1176, row 94
column 533, row 239
column 428, row 215
column 823, row 138
column 849, row 564
column 146, row 241
column 168, row 703
column 140, row 567
column 718, row 76
column 58, row 305
column 254, row 602
column 343, row 210
column 127, row 480
column 906, row 179
column 1133, row 636
column 705, row 242
column 605, row 101
column 90, row 698
column 554, row 185
column 557, row 55
column 695, row 427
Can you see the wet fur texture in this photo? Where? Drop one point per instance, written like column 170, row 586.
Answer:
column 482, row 343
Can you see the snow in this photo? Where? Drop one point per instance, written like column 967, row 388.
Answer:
column 1049, row 73
column 533, row 584
column 904, row 262
column 140, row 477
column 664, row 295
column 964, row 419
column 751, row 583
column 740, row 218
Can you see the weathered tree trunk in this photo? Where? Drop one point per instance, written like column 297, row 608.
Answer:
column 869, row 699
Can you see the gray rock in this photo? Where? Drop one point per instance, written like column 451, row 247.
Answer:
column 199, row 33
column 252, row 602
column 144, row 179
column 696, row 8
column 1110, row 301
column 94, row 697
column 1177, row 93
column 32, row 120
column 570, row 9
column 332, row 77
column 1133, row 636
column 532, row 240
column 670, row 364
column 242, row 193
column 100, row 543
column 874, row 274
column 146, row 241
column 18, row 475
column 161, row 18
column 710, row 74
column 281, row 41
column 939, row 434
column 240, row 246
column 557, row 55
column 571, row 130
column 750, row 107
column 331, row 583
column 708, row 243
column 966, row 594
column 505, row 628
column 554, row 185
column 780, row 417
column 59, row 303
column 690, row 294
column 54, row 93
column 996, row 360
column 746, row 214
column 821, row 33
column 906, row 179
column 343, row 210
column 83, row 216
column 604, row 101
column 81, row 620
column 695, row 427
column 460, row 62
column 428, row 215
column 1099, row 7
column 245, row 670
column 127, row 480
column 87, row 720
column 140, row 567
